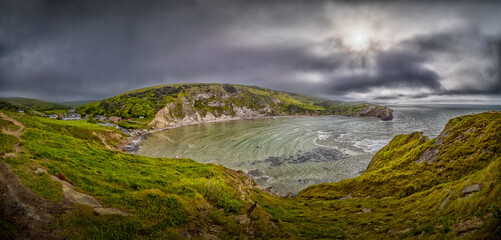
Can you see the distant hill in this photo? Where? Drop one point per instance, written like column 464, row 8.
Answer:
column 181, row 104
column 6, row 106
column 33, row 104
column 76, row 104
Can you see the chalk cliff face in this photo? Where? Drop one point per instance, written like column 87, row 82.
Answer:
column 187, row 113
column 184, row 104
column 228, row 102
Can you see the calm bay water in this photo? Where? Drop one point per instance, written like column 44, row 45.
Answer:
column 291, row 153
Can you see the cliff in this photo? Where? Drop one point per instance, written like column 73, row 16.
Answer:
column 182, row 104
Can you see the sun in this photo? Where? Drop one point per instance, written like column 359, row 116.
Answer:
column 358, row 39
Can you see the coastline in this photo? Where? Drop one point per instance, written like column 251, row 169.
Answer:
column 130, row 146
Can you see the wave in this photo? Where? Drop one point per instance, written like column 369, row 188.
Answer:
column 323, row 135
column 371, row 145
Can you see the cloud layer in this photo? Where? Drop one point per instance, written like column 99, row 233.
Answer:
column 396, row 52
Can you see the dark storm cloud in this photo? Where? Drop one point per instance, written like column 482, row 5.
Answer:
column 405, row 66
column 393, row 69
column 88, row 49
column 464, row 45
column 96, row 48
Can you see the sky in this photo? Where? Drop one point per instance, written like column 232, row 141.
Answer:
column 395, row 52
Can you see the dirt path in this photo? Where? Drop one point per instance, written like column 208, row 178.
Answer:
column 16, row 134
column 25, row 210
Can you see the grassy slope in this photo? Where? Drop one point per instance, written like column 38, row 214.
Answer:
column 34, row 104
column 7, row 141
column 148, row 101
column 76, row 104
column 166, row 195
column 405, row 195
column 162, row 193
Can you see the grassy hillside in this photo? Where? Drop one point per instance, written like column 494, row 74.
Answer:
column 33, row 104
column 76, row 104
column 162, row 194
column 8, row 107
column 412, row 193
column 202, row 100
column 408, row 191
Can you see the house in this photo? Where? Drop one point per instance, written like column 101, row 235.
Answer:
column 53, row 116
column 72, row 116
column 100, row 118
column 21, row 111
column 115, row 119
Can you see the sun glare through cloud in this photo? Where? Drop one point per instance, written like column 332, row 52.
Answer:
column 358, row 39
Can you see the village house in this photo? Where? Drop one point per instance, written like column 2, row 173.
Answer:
column 100, row 118
column 115, row 119
column 72, row 116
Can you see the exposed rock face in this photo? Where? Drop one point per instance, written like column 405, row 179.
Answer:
column 185, row 113
column 385, row 114
column 211, row 107
column 428, row 155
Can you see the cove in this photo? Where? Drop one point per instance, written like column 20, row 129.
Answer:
column 291, row 153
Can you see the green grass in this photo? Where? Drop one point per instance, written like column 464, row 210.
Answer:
column 167, row 195
column 161, row 193
column 57, row 111
column 6, row 143
column 8, row 107
column 76, row 104
column 33, row 104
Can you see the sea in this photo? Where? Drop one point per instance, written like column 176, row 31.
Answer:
column 289, row 154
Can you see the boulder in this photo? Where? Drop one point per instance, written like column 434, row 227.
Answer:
column 469, row 190
column 242, row 219
column 465, row 226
